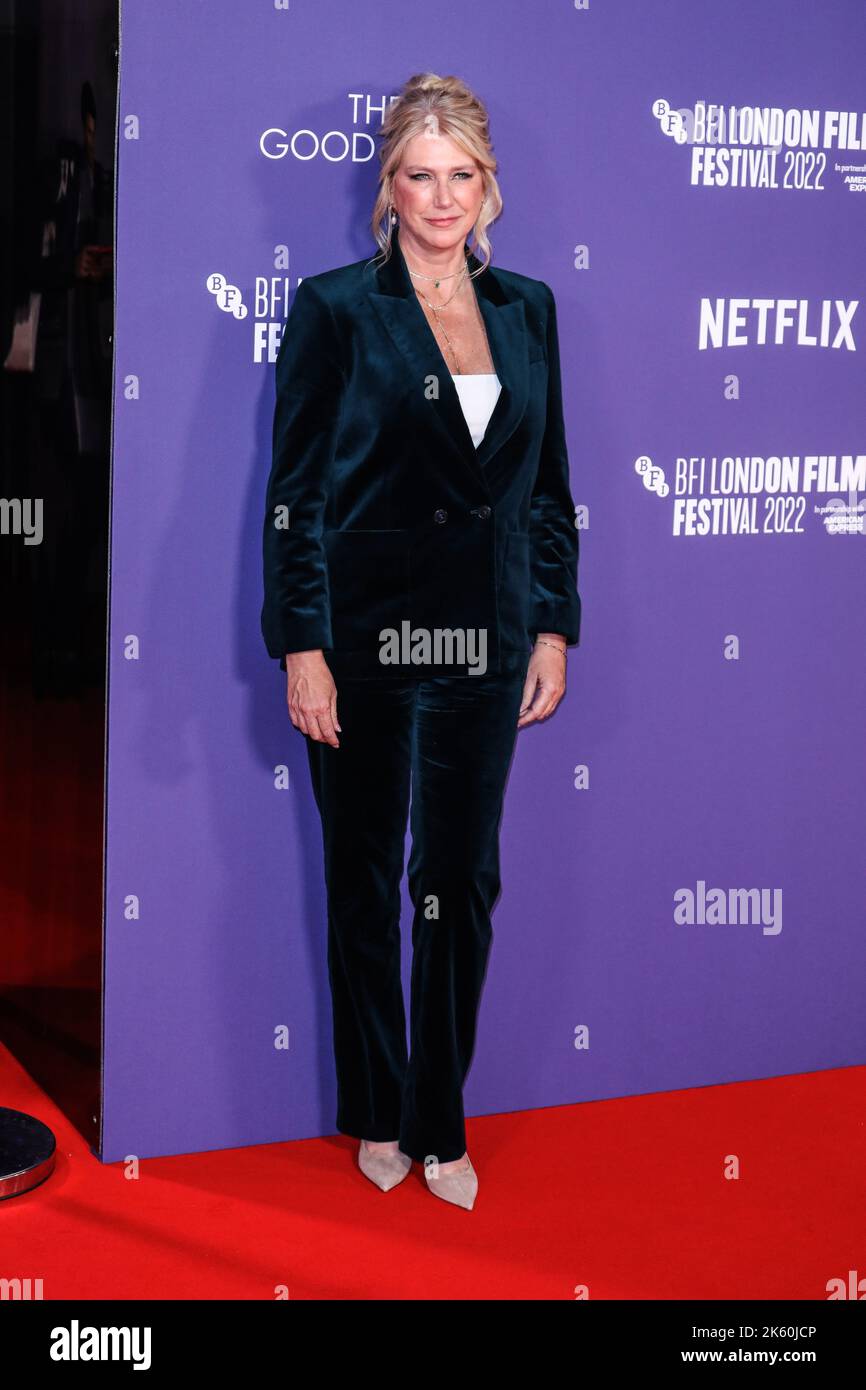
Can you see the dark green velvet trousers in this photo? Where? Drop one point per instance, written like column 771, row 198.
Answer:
column 434, row 754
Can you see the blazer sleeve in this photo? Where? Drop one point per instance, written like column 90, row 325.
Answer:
column 310, row 384
column 554, row 544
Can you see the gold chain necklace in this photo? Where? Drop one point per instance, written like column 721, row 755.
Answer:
column 437, row 280
column 437, row 307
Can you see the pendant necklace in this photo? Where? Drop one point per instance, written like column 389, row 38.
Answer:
column 437, row 307
column 437, row 280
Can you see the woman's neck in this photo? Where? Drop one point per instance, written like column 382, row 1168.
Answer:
column 431, row 260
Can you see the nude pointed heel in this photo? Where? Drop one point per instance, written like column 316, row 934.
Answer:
column 386, row 1170
column 460, row 1188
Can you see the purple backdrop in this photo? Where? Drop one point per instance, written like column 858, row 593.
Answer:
column 712, row 728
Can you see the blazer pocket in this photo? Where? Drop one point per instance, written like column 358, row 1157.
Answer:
column 368, row 582
column 515, row 589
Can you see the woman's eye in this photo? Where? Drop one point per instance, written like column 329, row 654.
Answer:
column 461, row 174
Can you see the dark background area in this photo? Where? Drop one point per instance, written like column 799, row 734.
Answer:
column 58, row 109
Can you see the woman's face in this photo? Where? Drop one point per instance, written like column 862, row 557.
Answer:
column 437, row 192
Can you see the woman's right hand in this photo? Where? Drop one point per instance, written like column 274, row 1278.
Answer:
column 312, row 696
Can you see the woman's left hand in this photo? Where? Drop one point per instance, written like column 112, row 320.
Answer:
column 545, row 680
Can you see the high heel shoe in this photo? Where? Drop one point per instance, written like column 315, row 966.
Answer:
column 460, row 1188
column 385, row 1169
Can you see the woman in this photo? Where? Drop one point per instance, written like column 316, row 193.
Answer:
column 419, row 530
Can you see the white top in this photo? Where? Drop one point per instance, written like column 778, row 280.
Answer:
column 478, row 392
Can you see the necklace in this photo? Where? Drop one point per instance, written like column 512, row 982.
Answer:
column 437, row 307
column 437, row 280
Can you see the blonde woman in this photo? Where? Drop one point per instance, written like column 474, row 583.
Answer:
column 420, row 590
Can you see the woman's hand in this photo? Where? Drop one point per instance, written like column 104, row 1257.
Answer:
column 545, row 679
column 312, row 696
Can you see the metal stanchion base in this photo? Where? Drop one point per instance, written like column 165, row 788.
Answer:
column 27, row 1152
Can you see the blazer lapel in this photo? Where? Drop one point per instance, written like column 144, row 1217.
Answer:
column 393, row 296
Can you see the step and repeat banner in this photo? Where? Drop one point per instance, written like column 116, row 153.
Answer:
column 682, row 860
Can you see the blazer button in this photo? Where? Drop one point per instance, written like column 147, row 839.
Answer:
column 440, row 515
column 484, row 512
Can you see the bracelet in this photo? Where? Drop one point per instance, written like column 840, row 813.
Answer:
column 545, row 643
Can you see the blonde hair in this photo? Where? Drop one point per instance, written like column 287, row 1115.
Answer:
column 446, row 105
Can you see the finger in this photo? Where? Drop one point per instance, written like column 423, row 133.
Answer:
column 540, row 706
column 334, row 716
column 529, row 712
column 301, row 720
column 325, row 726
column 528, row 691
column 312, row 727
column 547, row 702
column 528, row 717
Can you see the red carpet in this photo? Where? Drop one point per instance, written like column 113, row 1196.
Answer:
column 625, row 1196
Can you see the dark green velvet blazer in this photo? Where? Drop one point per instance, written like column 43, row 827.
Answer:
column 380, row 512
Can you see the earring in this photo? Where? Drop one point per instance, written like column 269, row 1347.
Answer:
column 393, row 215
